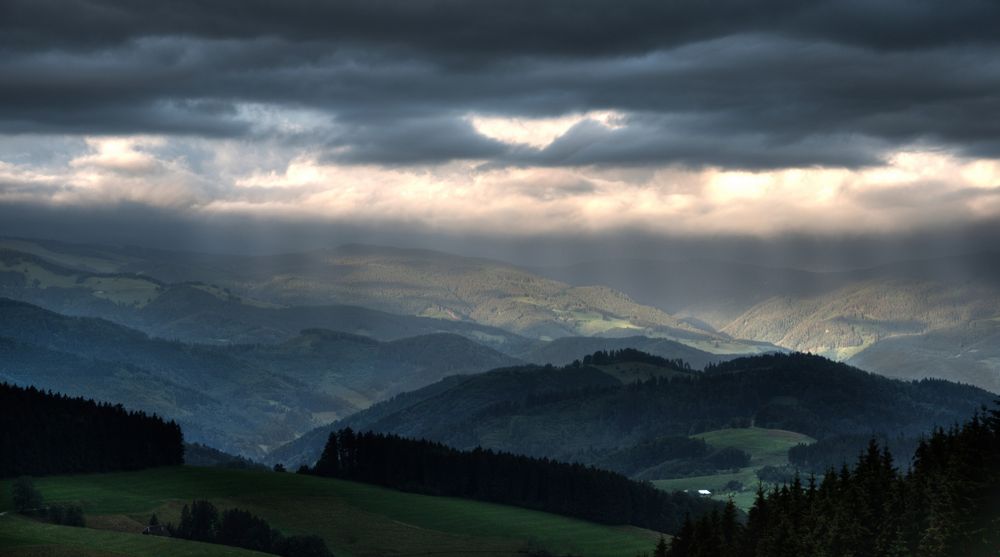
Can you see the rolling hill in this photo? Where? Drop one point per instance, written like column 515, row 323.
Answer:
column 583, row 418
column 239, row 398
column 354, row 519
column 766, row 447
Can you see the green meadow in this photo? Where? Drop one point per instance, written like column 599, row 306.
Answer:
column 354, row 519
column 767, row 447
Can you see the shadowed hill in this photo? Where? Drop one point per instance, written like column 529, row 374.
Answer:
column 238, row 398
column 583, row 415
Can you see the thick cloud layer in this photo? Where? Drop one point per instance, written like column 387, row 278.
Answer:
column 511, row 118
column 732, row 83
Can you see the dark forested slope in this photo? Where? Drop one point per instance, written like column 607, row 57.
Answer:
column 583, row 421
column 44, row 433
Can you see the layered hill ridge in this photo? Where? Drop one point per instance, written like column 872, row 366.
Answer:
column 914, row 319
column 584, row 413
column 240, row 398
column 205, row 313
column 487, row 296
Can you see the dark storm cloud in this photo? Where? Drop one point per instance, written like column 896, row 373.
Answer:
column 729, row 83
column 498, row 28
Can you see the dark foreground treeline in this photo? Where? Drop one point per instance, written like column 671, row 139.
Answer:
column 567, row 489
column 44, row 433
column 946, row 505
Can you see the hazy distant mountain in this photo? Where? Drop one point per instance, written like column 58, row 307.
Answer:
column 239, row 398
column 200, row 312
column 918, row 318
column 409, row 282
column 583, row 413
column 360, row 371
column 969, row 353
column 712, row 292
column 913, row 319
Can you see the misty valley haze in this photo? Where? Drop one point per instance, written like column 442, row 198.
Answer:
column 505, row 277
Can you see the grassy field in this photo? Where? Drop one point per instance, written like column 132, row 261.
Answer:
column 23, row 537
column 354, row 519
column 766, row 447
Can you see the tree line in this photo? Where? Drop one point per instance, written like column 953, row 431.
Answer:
column 28, row 500
column 834, row 451
column 542, row 484
column 946, row 505
column 630, row 355
column 201, row 521
column 45, row 433
column 667, row 457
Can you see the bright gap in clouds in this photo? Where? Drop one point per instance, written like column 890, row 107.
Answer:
column 912, row 189
column 538, row 132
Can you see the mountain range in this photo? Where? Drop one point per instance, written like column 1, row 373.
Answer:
column 251, row 352
column 493, row 302
column 913, row 319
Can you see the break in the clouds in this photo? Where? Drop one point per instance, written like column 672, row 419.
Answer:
column 538, row 116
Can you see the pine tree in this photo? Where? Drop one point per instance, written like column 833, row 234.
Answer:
column 730, row 530
column 681, row 544
column 661, row 548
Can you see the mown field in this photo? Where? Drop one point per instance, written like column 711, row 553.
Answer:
column 765, row 446
column 354, row 519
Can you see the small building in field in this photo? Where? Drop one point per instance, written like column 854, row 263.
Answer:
column 704, row 493
column 155, row 530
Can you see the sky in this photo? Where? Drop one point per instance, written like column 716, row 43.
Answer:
column 846, row 131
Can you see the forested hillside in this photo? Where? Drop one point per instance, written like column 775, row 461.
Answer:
column 542, row 484
column 583, row 421
column 43, row 433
